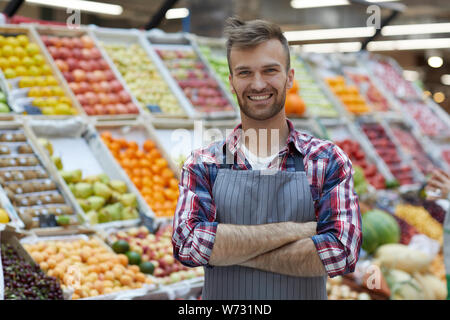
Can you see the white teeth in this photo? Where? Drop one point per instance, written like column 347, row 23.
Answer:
column 259, row 97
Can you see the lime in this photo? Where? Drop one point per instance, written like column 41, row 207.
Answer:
column 133, row 257
column 120, row 246
column 147, row 267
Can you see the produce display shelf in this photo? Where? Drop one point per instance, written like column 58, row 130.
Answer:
column 180, row 46
column 17, row 92
column 139, row 131
column 97, row 68
column 128, row 38
column 73, row 137
column 318, row 104
column 44, row 198
column 71, row 288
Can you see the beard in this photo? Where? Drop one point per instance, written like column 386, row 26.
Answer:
column 262, row 112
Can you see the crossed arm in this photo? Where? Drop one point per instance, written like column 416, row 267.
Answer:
column 284, row 248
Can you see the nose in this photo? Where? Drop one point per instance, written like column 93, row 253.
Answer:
column 258, row 83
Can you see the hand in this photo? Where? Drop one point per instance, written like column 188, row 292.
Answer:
column 438, row 182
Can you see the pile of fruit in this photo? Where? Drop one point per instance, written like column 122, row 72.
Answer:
column 26, row 281
column 219, row 63
column 28, row 186
column 420, row 219
column 193, row 78
column 103, row 200
column 358, row 158
column 392, row 80
column 336, row 290
column 4, row 216
column 388, row 152
column 89, row 76
column 149, row 172
column 294, row 105
column 429, row 123
column 30, row 76
column 348, row 95
column 4, row 108
column 407, row 231
column 410, row 145
column 142, row 77
column 317, row 103
column 153, row 253
column 371, row 93
column 88, row 266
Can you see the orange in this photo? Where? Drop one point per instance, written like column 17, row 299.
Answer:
column 294, row 104
column 136, row 171
column 123, row 260
column 167, row 174
column 149, row 145
column 158, row 180
column 155, row 154
column 173, row 183
column 133, row 145
column 106, row 135
column 140, row 154
column 144, row 162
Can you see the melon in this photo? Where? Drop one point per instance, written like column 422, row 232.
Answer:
column 378, row 228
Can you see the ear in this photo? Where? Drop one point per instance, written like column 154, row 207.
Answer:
column 231, row 84
column 290, row 79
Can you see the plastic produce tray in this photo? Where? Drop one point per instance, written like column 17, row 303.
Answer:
column 17, row 97
column 81, row 98
column 178, row 43
column 73, row 137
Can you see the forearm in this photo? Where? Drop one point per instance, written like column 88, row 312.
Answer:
column 298, row 259
column 235, row 244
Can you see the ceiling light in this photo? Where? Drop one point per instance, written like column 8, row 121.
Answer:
column 332, row 47
column 445, row 79
column 411, row 75
column 304, row 4
column 439, row 97
column 415, row 44
column 177, row 13
column 322, row 34
column 90, row 6
column 435, row 61
column 408, row 29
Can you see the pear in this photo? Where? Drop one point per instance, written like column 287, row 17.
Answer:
column 84, row 204
column 91, row 179
column 103, row 178
column 47, row 145
column 112, row 211
column 115, row 197
column 71, row 187
column 83, row 190
column 73, row 176
column 96, row 202
column 102, row 190
column 58, row 162
column 129, row 213
column 129, row 200
column 92, row 217
column 118, row 185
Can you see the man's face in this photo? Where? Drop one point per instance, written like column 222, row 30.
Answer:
column 259, row 79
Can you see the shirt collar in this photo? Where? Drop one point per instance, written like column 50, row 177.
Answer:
column 295, row 139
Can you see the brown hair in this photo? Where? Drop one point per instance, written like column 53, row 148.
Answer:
column 252, row 33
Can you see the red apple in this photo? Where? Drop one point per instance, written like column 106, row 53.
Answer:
column 113, row 98
column 90, row 77
column 109, row 75
column 77, row 43
column 75, row 87
column 76, row 53
column 55, row 41
column 68, row 76
column 124, row 96
column 82, row 99
column 103, row 98
column 79, row 75
column 115, row 86
column 121, row 108
column 91, row 98
column 62, row 65
column 84, row 86
column 111, row 109
column 66, row 42
column 106, row 87
column 86, row 53
column 100, row 75
column 73, row 64
column 96, row 87
column 95, row 53
column 89, row 111
column 87, row 41
column 92, row 64
column 64, row 53
column 46, row 40
column 132, row 108
column 103, row 65
column 84, row 65
column 99, row 109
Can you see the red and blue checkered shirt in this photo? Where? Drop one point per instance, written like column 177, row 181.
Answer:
column 330, row 175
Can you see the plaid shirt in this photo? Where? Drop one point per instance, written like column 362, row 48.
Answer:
column 329, row 172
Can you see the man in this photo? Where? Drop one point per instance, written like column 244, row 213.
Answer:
column 262, row 234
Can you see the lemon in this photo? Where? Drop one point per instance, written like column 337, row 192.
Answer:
column 4, row 218
column 23, row 40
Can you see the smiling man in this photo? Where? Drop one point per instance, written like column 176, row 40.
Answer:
column 270, row 212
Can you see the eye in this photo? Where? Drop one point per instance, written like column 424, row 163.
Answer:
column 271, row 70
column 244, row 73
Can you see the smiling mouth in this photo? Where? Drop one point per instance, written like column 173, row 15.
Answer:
column 260, row 97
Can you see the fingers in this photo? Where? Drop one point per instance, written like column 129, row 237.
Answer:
column 434, row 184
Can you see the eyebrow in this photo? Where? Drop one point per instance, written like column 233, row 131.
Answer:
column 265, row 66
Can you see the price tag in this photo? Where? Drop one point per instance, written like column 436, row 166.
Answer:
column 47, row 221
column 32, row 110
column 154, row 108
column 147, row 222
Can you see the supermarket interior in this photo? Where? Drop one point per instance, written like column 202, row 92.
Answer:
column 102, row 102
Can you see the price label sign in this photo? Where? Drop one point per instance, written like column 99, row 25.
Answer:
column 47, row 221
column 154, row 108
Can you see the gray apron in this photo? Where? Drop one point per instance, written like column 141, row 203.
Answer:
column 250, row 197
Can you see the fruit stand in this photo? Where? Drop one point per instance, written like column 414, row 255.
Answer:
column 97, row 123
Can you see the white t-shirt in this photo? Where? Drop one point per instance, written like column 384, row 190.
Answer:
column 257, row 163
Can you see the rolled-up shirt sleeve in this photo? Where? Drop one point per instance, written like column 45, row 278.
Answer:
column 194, row 228
column 339, row 237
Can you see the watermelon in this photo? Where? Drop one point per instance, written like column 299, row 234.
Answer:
column 378, row 228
